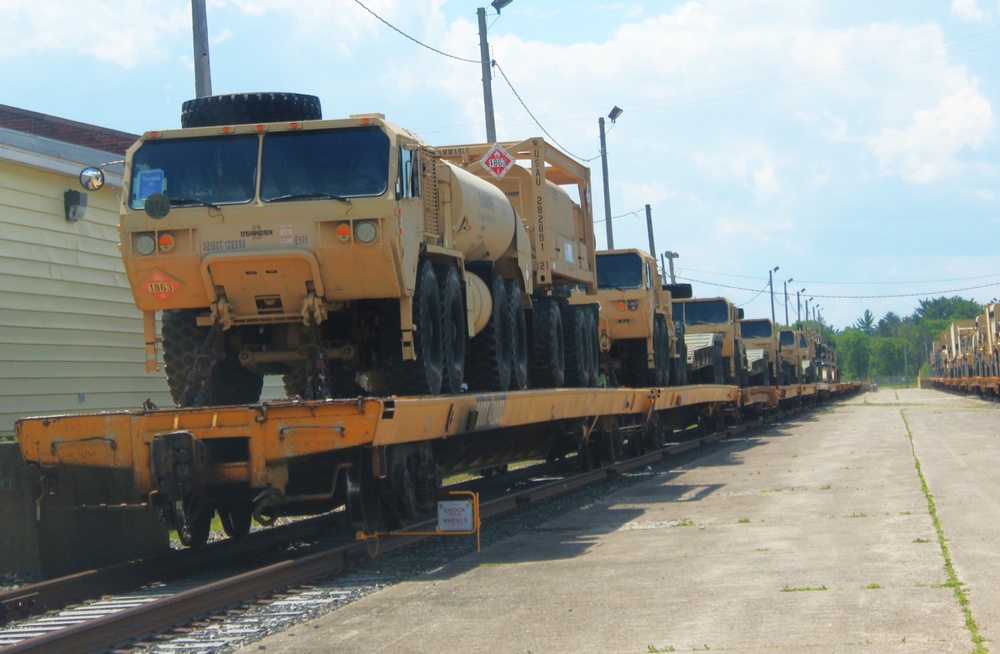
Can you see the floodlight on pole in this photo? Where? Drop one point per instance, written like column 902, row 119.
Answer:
column 613, row 115
column 798, row 306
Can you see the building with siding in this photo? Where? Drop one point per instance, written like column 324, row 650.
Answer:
column 70, row 335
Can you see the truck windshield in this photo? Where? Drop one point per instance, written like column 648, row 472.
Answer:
column 310, row 164
column 708, row 312
column 619, row 271
column 802, row 341
column 786, row 338
column 755, row 329
column 195, row 171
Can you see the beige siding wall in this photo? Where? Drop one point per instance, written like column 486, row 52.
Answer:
column 70, row 335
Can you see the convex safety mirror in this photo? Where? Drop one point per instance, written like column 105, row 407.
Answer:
column 92, row 178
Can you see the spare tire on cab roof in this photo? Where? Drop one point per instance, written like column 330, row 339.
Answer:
column 249, row 108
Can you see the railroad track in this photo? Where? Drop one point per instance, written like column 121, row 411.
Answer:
column 128, row 618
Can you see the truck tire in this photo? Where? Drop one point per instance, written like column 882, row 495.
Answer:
column 491, row 348
column 574, row 347
column 519, row 340
column 546, row 362
column 661, row 350
column 181, row 339
column 246, row 108
column 423, row 375
column 231, row 383
column 456, row 328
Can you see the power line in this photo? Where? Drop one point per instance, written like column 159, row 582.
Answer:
column 552, row 138
column 883, row 283
column 851, row 297
column 402, row 33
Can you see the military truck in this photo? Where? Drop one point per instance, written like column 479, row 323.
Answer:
column 349, row 256
column 760, row 338
column 712, row 323
column 798, row 348
column 639, row 341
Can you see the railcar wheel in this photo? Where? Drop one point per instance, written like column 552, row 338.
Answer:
column 574, row 347
column 547, row 360
column 236, row 519
column 363, row 501
column 455, row 327
column 198, row 525
column 519, row 338
column 423, row 375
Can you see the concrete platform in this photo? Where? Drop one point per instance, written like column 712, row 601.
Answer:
column 809, row 536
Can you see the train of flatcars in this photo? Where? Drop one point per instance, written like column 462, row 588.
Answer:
column 433, row 310
column 965, row 358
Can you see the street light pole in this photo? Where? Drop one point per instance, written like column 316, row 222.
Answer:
column 798, row 305
column 484, row 60
column 202, row 69
column 770, row 285
column 615, row 112
column 786, row 299
column 670, row 257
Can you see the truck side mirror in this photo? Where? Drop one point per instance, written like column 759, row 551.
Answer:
column 92, row 179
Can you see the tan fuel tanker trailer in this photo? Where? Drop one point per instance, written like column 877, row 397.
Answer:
column 350, row 256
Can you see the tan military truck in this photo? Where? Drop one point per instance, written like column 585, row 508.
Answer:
column 638, row 338
column 798, row 348
column 350, row 256
column 710, row 323
column 760, row 338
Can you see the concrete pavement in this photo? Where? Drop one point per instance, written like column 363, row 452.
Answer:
column 809, row 536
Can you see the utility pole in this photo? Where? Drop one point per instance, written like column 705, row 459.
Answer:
column 670, row 257
column 649, row 230
column 484, row 60
column 202, row 69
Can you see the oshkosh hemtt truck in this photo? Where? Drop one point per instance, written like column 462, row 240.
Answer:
column 349, row 255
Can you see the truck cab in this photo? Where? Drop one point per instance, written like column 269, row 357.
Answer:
column 761, row 339
column 716, row 315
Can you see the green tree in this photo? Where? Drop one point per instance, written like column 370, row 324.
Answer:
column 866, row 323
column 887, row 356
column 953, row 308
column 854, row 352
column 889, row 325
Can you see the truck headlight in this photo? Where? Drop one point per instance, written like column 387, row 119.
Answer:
column 366, row 231
column 144, row 243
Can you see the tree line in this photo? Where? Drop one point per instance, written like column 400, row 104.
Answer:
column 895, row 348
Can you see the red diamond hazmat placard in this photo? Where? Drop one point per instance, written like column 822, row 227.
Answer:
column 498, row 161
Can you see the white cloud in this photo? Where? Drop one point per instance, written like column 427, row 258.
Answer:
column 927, row 149
column 127, row 35
column 967, row 9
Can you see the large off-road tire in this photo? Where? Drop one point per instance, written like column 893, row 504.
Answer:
column 246, row 108
column 456, row 328
column 574, row 347
column 661, row 350
column 341, row 382
column 231, row 383
column 181, row 339
column 491, row 349
column 519, row 338
column 423, row 375
column 546, row 360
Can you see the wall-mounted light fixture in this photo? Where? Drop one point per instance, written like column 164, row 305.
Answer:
column 75, row 205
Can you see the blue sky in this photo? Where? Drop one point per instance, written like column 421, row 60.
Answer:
column 853, row 144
